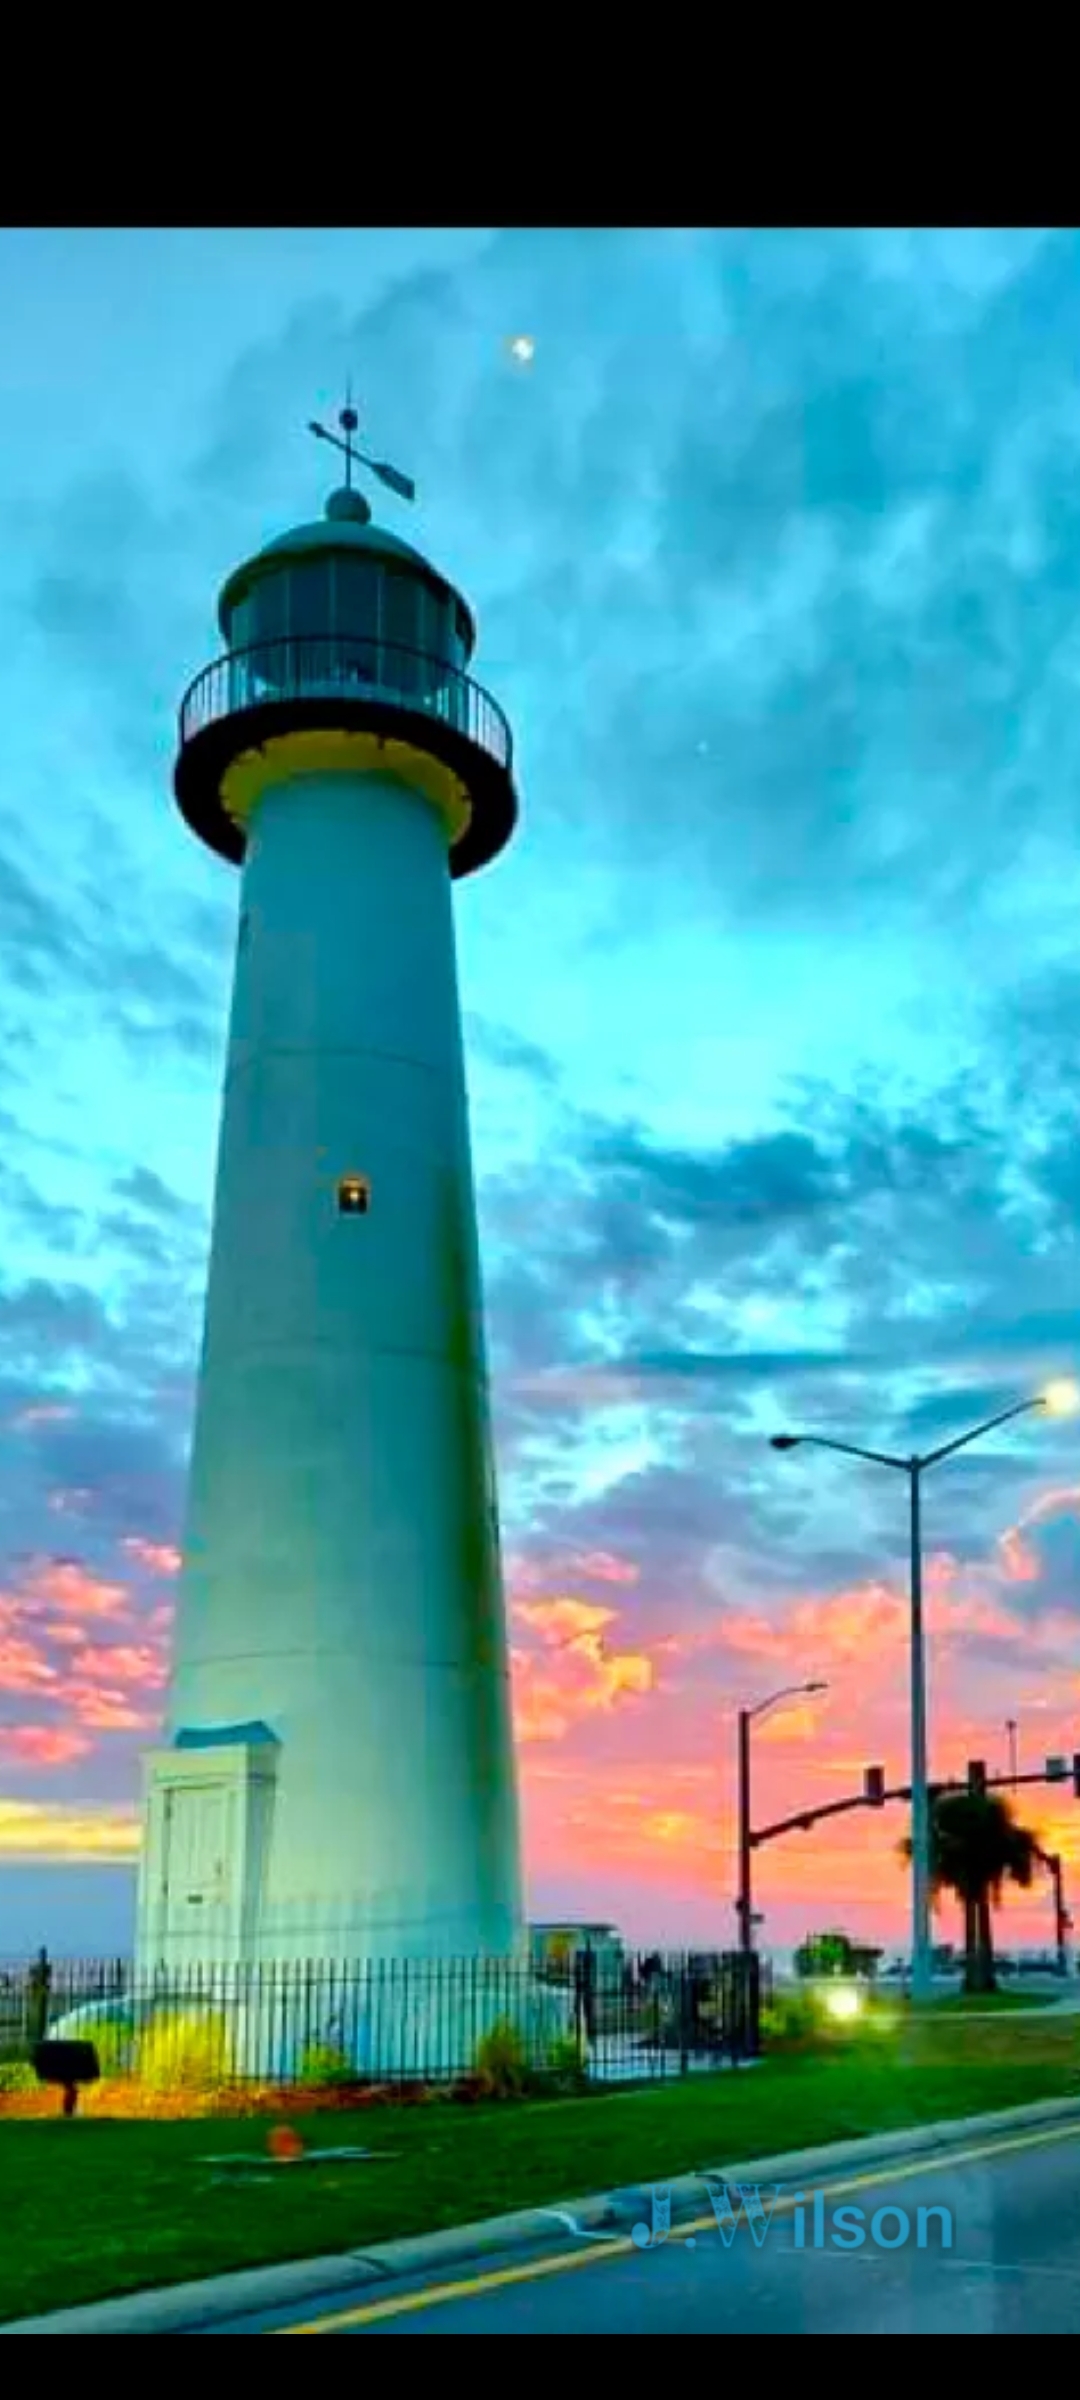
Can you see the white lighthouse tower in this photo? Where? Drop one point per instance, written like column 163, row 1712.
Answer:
column 338, row 1779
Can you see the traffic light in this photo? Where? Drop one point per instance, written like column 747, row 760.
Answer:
column 1076, row 1773
column 874, row 1786
column 976, row 1774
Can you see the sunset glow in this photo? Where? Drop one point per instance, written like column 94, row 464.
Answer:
column 768, row 1014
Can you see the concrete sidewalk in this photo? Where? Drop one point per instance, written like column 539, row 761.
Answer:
column 198, row 2307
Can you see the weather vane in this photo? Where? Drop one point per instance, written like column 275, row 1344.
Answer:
column 349, row 422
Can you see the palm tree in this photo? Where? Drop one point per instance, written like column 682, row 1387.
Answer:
column 976, row 1846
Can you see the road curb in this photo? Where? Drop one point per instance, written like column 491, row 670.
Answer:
column 912, row 2141
column 196, row 2307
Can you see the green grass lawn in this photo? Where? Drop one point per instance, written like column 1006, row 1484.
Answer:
column 985, row 2003
column 98, row 2207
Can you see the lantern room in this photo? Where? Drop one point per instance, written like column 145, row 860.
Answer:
column 346, row 582
column 340, row 625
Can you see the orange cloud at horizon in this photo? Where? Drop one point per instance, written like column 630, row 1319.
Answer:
column 671, row 1841
column 625, row 1700
column 48, row 1832
column 606, row 1807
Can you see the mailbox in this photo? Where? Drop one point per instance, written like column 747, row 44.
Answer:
column 68, row 2064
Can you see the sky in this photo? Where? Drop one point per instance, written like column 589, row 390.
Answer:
column 771, row 1008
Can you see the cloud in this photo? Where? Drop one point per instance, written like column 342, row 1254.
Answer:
column 107, row 1709
column 47, row 1830
column 500, row 1046
column 775, row 557
column 23, row 1668
column 159, row 1558
column 70, row 1587
column 577, row 1672
column 42, row 1745
column 129, row 1663
column 83, row 945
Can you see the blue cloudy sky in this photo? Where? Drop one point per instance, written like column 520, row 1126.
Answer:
column 772, row 1008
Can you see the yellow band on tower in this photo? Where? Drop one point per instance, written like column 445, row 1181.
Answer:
column 316, row 753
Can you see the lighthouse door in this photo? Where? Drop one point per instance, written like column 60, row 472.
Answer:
column 197, row 1866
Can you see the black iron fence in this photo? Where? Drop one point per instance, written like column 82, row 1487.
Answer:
column 311, row 666
column 394, row 2020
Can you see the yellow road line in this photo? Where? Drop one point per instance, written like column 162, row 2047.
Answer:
column 439, row 2295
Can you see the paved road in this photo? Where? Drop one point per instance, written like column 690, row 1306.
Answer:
column 1013, row 2266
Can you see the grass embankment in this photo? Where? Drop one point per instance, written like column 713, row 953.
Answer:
column 93, row 2207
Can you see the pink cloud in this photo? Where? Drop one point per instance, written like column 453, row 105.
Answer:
column 67, row 1584
column 105, row 1710
column 127, row 1663
column 1020, row 1561
column 42, row 1745
column 601, row 1566
column 22, row 1667
column 161, row 1558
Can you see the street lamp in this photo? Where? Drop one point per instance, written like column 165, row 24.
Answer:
column 744, row 1903
column 1059, row 1398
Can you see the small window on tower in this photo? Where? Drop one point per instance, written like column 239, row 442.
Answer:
column 353, row 1195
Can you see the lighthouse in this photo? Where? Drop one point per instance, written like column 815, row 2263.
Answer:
column 337, row 1776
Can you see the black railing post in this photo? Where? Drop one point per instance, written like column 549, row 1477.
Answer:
column 38, row 1988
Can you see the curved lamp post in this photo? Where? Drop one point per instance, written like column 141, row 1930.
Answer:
column 1060, row 1398
column 744, row 1903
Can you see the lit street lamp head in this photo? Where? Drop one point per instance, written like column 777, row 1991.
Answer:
column 1061, row 1398
column 784, row 1441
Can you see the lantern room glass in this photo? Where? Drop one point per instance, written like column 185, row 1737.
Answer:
column 323, row 621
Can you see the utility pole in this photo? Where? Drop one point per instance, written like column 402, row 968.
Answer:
column 1010, row 1728
column 744, row 1903
column 921, row 1961
column 1062, row 1919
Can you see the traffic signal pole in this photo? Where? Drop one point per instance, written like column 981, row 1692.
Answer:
column 874, row 1794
